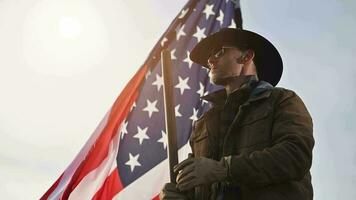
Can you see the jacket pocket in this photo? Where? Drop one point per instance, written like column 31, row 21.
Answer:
column 255, row 130
column 252, row 118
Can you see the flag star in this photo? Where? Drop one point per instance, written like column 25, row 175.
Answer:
column 183, row 84
column 187, row 60
column 233, row 24
column 177, row 111
column 151, row 107
column 158, row 82
column 141, row 134
column 163, row 41
column 205, row 101
column 133, row 106
column 180, row 31
column 163, row 139
column 221, row 17
column 194, row 117
column 173, row 57
column 123, row 129
column 199, row 34
column 201, row 89
column 183, row 13
column 133, row 161
column 208, row 11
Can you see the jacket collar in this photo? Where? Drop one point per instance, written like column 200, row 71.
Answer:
column 261, row 91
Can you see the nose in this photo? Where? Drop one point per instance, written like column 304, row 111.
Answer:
column 212, row 60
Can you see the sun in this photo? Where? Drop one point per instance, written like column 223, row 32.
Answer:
column 64, row 38
column 69, row 27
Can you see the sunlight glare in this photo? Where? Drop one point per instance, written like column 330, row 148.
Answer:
column 64, row 38
column 69, row 27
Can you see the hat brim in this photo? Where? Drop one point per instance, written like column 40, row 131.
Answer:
column 267, row 59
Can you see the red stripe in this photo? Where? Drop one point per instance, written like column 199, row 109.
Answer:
column 110, row 188
column 118, row 113
column 50, row 190
column 156, row 198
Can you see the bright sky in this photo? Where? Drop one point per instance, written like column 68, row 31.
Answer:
column 63, row 63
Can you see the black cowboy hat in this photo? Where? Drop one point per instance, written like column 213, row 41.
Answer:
column 267, row 59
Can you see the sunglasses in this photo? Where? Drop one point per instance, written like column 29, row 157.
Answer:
column 217, row 53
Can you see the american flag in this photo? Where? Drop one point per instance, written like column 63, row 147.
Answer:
column 126, row 157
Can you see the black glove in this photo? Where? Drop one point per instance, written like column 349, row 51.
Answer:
column 199, row 171
column 170, row 191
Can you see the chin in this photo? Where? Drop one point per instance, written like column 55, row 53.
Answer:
column 218, row 81
column 214, row 78
column 223, row 81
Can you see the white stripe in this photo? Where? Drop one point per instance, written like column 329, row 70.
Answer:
column 68, row 173
column 150, row 184
column 93, row 181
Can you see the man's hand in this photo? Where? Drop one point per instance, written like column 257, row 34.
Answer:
column 199, row 171
column 170, row 191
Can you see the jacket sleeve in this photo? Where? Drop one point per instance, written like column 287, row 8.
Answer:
column 290, row 155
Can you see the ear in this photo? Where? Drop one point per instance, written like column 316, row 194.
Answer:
column 249, row 55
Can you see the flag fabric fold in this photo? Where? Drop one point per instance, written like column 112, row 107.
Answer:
column 126, row 156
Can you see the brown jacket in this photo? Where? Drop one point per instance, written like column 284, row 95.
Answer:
column 270, row 141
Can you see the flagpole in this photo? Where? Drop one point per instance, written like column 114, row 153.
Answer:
column 169, row 112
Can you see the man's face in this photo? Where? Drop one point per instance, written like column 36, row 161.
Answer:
column 224, row 64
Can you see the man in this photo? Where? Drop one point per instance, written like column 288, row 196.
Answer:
column 256, row 141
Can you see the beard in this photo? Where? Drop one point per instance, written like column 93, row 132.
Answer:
column 221, row 80
column 224, row 81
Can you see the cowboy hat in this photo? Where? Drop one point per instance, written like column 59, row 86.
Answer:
column 267, row 59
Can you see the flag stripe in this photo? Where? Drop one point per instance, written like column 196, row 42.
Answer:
column 52, row 188
column 92, row 182
column 96, row 145
column 68, row 173
column 110, row 188
column 118, row 113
